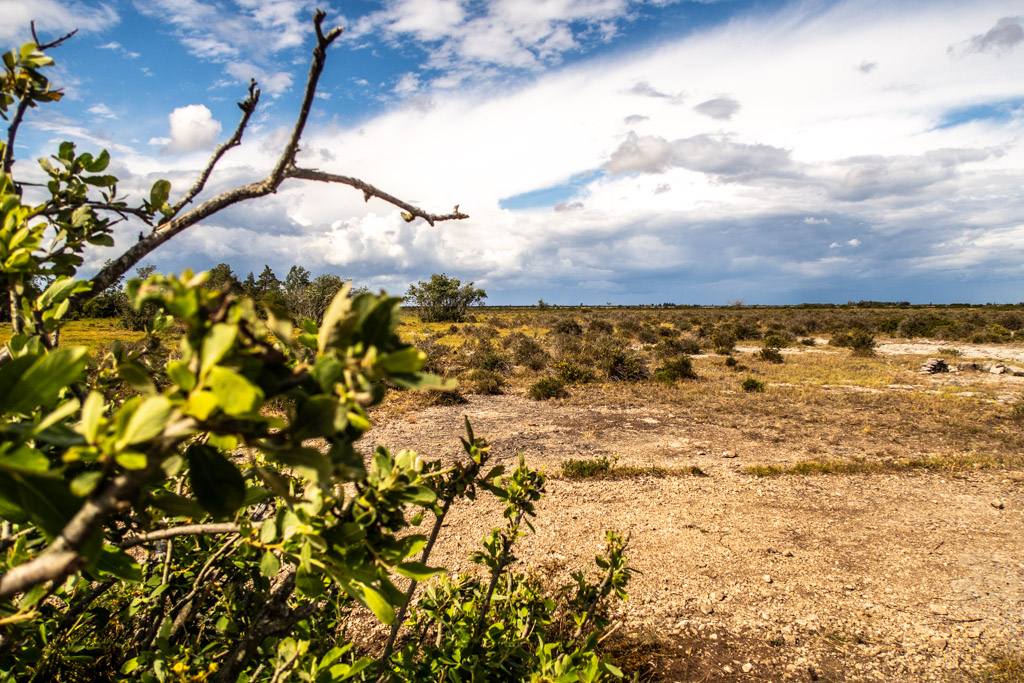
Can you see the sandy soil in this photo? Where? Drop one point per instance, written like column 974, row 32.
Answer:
column 887, row 577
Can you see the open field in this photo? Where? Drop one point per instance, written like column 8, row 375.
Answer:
column 854, row 520
column 858, row 520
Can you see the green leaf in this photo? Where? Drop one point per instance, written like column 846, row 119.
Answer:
column 130, row 460
column 216, row 483
column 376, row 602
column 85, row 483
column 48, row 502
column 219, row 340
column 319, row 416
column 99, row 164
column 117, row 563
column 180, row 374
column 234, row 393
column 308, row 583
column 158, row 195
column 177, row 506
column 147, row 422
column 136, row 376
column 58, row 291
column 269, row 565
column 406, row 361
column 338, row 308
column 417, row 571
column 25, row 459
column 41, row 383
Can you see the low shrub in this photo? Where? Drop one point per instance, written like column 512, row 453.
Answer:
column 600, row 326
column 770, row 354
column 624, row 366
column 529, row 353
column 573, row 373
column 667, row 332
column 586, row 468
column 487, row 358
column 723, row 342
column 487, row 382
column 808, row 341
column 675, row 370
column 567, row 326
column 647, row 335
column 547, row 387
column 751, row 384
column 774, row 340
column 862, row 343
column 731, row 362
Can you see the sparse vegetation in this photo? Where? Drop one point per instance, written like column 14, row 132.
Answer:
column 546, row 388
column 752, row 385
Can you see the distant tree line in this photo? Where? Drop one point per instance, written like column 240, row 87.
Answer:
column 300, row 294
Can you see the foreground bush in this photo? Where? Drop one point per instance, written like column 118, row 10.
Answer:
column 547, row 387
column 675, row 370
column 212, row 515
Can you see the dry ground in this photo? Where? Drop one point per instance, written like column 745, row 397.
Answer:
column 898, row 574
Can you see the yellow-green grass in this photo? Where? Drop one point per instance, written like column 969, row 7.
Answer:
column 94, row 334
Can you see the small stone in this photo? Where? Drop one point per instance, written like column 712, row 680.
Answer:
column 997, row 504
column 747, row 667
column 767, row 578
column 701, row 452
column 727, row 669
column 974, row 632
column 788, row 553
column 789, row 639
column 729, row 454
column 938, row 609
column 938, row 643
column 707, row 609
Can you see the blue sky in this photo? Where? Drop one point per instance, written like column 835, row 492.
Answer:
column 633, row 151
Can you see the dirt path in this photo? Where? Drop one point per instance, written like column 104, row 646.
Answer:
column 900, row 577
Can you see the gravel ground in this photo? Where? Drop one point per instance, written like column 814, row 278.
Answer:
column 887, row 577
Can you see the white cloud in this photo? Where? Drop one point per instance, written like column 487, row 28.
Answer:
column 719, row 108
column 674, row 198
column 192, row 128
column 275, row 84
column 52, row 18
column 102, row 111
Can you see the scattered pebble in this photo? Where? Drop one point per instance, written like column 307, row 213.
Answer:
column 729, row 454
column 997, row 504
column 767, row 578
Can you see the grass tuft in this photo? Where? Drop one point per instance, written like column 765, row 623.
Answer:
column 810, row 467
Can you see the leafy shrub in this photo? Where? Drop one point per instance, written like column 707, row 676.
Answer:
column 567, row 326
column 808, row 341
column 862, row 343
column 774, row 340
column 667, row 331
column 770, row 354
column 572, row 373
column 625, row 366
column 486, row 357
column 487, row 382
column 682, row 346
column 674, row 370
column 731, row 362
column 647, row 335
column 529, row 353
column 547, row 387
column 751, row 384
column 586, row 468
column 139, row 542
column 443, row 298
column 600, row 326
column 723, row 341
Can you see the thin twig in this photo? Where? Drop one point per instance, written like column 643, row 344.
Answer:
column 42, row 47
column 185, row 530
column 369, row 191
column 248, row 106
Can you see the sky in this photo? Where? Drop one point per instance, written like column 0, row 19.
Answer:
column 623, row 151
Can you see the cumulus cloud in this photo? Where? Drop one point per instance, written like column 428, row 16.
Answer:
column 1002, row 37
column 720, row 108
column 882, row 176
column 867, row 67
column 568, row 206
column 854, row 242
column 192, row 128
column 633, row 119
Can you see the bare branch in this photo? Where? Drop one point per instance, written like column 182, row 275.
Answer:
column 12, row 133
column 186, row 530
column 53, row 43
column 369, row 191
column 248, row 106
column 316, row 67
